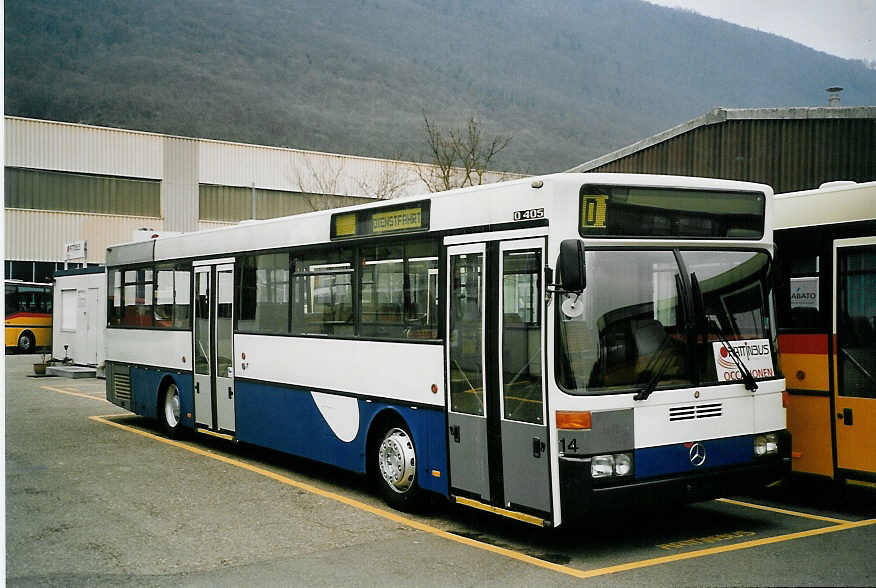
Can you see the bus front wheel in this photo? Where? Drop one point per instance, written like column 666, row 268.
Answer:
column 169, row 411
column 395, row 467
column 26, row 342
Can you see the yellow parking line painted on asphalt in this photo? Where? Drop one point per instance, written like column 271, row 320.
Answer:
column 804, row 515
column 472, row 542
column 863, row 483
column 723, row 549
column 71, row 393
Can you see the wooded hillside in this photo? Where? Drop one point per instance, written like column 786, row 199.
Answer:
column 569, row 80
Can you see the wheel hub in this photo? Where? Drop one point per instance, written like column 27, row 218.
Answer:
column 171, row 406
column 397, row 460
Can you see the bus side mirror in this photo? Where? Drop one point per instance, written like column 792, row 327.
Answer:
column 571, row 266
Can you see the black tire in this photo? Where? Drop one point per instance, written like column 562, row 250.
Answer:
column 394, row 467
column 26, row 342
column 169, row 412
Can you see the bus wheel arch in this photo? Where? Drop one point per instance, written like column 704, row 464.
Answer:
column 168, row 407
column 391, row 461
column 26, row 341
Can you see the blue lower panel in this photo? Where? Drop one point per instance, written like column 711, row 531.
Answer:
column 288, row 420
column 675, row 459
column 145, row 384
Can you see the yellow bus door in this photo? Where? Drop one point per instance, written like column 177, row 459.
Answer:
column 855, row 355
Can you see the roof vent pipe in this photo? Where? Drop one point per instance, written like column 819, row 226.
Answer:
column 833, row 95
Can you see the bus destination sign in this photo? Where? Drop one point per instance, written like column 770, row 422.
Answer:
column 593, row 208
column 381, row 221
column 688, row 213
column 397, row 220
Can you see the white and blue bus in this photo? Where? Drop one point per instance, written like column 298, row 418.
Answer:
column 538, row 348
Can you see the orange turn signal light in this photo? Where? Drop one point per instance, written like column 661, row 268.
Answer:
column 572, row 419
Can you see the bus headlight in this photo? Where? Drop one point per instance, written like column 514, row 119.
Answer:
column 601, row 466
column 772, row 444
column 766, row 444
column 604, row 466
column 623, row 464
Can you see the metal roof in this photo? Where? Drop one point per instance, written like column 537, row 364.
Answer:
column 720, row 115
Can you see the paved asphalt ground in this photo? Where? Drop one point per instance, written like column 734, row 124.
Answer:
column 109, row 501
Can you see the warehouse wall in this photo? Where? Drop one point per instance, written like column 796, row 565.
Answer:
column 179, row 186
column 52, row 190
column 310, row 172
column 232, row 204
column 789, row 155
column 67, row 182
column 38, row 235
column 40, row 144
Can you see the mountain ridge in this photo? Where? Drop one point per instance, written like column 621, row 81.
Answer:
column 569, row 81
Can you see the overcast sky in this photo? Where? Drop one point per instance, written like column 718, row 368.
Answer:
column 839, row 27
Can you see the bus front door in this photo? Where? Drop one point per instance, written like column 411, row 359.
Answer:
column 855, row 389
column 213, row 346
column 497, row 431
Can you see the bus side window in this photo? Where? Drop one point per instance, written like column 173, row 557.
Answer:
column 138, row 298
column 421, row 290
column 11, row 300
column 47, row 301
column 264, row 293
column 322, row 292
column 182, row 296
column 172, row 293
column 398, row 290
column 114, row 297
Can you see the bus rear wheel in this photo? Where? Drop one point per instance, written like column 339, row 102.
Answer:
column 395, row 468
column 169, row 411
column 26, row 342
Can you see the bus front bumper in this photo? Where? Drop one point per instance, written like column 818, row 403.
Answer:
column 581, row 495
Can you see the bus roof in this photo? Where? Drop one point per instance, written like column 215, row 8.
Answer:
column 485, row 205
column 829, row 205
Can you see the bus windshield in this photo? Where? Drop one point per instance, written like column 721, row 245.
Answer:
column 654, row 319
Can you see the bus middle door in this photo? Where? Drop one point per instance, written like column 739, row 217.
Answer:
column 213, row 346
column 496, row 414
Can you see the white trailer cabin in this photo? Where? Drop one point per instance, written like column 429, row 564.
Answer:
column 79, row 316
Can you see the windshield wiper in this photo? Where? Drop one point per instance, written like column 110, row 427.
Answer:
column 657, row 374
column 660, row 368
column 712, row 325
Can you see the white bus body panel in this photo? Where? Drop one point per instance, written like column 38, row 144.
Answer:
column 154, row 347
column 398, row 371
column 841, row 204
column 769, row 411
column 341, row 413
column 739, row 412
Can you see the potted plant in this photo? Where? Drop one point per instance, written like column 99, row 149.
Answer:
column 39, row 368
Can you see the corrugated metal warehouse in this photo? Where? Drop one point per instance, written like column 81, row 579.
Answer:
column 70, row 182
column 788, row 148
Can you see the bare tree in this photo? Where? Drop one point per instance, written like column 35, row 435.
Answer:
column 322, row 178
column 318, row 180
column 460, row 157
column 390, row 182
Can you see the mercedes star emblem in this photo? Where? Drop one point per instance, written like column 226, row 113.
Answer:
column 697, row 454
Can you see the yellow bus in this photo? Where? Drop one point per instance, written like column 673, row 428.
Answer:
column 28, row 315
column 826, row 297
